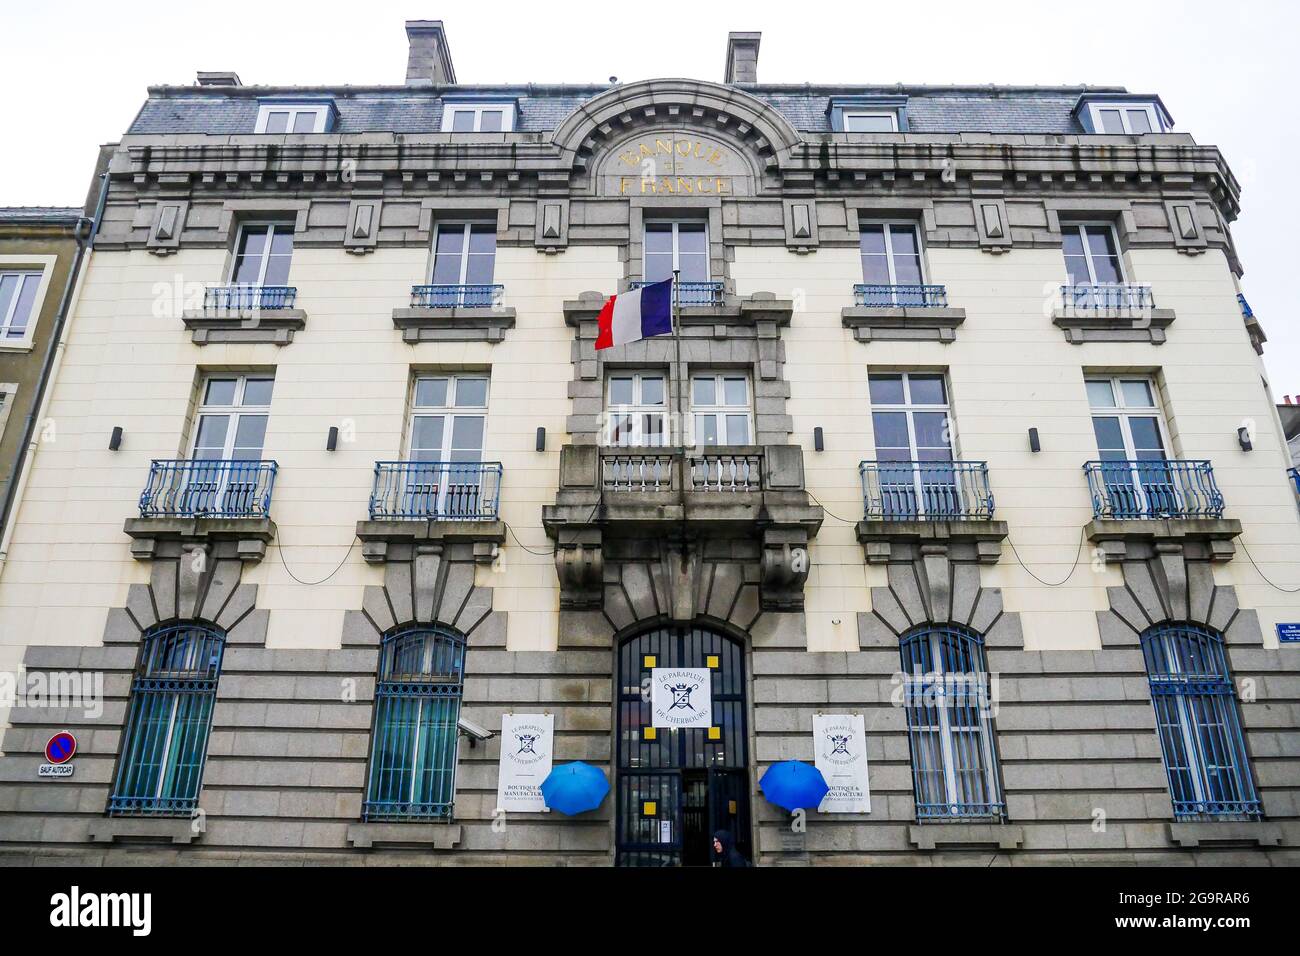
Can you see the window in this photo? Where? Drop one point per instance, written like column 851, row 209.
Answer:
column 17, row 298
column 676, row 245
column 478, row 118
column 229, row 431
column 262, row 254
column 1136, row 478
column 636, row 409
column 891, row 254
column 1125, row 118
column 417, row 705
column 720, row 409
column 1091, row 254
column 914, row 471
column 1199, row 727
column 950, row 724
column 464, row 253
column 1126, row 419
column 445, row 438
column 166, row 738
column 875, row 121
column 292, row 118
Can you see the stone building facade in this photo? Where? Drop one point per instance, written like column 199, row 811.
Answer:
column 909, row 318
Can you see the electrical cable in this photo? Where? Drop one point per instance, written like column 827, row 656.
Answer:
column 312, row 584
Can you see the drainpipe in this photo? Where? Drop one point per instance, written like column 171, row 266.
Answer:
column 50, row 366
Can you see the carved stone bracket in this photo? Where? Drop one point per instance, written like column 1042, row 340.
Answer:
column 272, row 326
column 454, row 325
column 393, row 540
column 244, row 539
column 1113, row 325
column 884, row 541
column 902, row 323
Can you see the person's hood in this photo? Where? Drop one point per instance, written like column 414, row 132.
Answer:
column 726, row 839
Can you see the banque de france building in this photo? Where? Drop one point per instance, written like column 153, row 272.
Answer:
column 964, row 438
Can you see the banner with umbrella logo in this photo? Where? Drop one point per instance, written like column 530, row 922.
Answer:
column 840, row 745
column 681, row 697
column 526, row 751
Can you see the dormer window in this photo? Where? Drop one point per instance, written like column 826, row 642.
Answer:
column 478, row 117
column 868, row 114
column 293, row 118
column 1123, row 115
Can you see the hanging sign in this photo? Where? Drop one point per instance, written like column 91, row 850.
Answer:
column 840, row 745
column 526, row 750
column 681, row 697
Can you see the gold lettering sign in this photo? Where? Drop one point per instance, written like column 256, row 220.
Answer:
column 676, row 163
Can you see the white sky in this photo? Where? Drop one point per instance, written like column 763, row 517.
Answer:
column 73, row 74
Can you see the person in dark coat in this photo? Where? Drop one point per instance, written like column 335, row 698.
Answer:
column 725, row 852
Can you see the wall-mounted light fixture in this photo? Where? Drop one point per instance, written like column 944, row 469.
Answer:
column 1243, row 438
column 115, row 439
column 332, row 441
column 819, row 440
column 1034, row 444
column 541, row 438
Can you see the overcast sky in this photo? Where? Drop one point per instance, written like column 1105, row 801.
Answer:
column 73, row 74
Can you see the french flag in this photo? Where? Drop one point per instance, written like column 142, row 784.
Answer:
column 636, row 315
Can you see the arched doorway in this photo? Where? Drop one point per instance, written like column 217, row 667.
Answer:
column 676, row 787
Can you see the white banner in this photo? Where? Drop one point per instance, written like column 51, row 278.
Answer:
column 526, row 749
column 840, row 743
column 681, row 696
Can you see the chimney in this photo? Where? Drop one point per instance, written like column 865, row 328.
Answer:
column 219, row 78
column 429, row 62
column 742, row 58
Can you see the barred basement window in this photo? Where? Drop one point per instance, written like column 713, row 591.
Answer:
column 417, row 705
column 166, row 739
column 950, row 725
column 1199, row 727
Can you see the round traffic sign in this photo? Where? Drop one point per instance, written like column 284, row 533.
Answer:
column 61, row 747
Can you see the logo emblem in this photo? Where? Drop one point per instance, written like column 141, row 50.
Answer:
column 839, row 743
column 526, row 742
column 681, row 694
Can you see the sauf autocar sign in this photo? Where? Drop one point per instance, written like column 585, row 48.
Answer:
column 681, row 697
column 526, row 752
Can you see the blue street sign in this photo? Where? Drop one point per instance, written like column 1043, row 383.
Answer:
column 1288, row 633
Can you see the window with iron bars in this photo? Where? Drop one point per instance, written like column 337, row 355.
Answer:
column 1198, row 724
column 950, row 725
column 414, row 740
column 166, row 740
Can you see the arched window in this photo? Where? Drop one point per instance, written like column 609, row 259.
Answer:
column 950, row 724
column 1197, row 720
column 166, row 738
column 417, row 705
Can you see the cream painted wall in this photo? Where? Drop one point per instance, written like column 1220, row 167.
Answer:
column 1010, row 369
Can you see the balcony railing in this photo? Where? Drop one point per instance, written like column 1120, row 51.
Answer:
column 1153, row 489
column 1295, row 478
column 436, row 490
column 708, row 472
column 1107, row 297
column 249, row 297
column 456, row 296
column 1246, row 311
column 694, row 293
column 208, row 489
column 926, row 490
column 904, row 296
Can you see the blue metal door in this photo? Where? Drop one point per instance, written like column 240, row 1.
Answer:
column 676, row 787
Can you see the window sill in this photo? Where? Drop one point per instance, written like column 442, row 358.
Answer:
column 433, row 836
column 931, row 836
column 457, row 324
column 21, row 345
column 141, row 829
column 902, row 323
column 219, row 326
column 1113, row 325
column 1208, row 833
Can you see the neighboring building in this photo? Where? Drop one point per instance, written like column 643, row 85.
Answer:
column 1289, row 412
column 963, row 370
column 41, row 248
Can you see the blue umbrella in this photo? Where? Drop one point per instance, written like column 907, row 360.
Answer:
column 794, row 785
column 575, row 788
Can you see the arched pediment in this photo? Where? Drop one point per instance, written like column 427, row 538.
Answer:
column 712, row 109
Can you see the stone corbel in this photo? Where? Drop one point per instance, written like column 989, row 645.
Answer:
column 243, row 539
column 885, row 541
column 1209, row 539
column 580, row 565
column 784, row 571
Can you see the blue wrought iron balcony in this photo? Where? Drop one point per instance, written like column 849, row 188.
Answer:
column 1132, row 490
column 249, row 297
column 456, row 296
column 1107, row 296
column 1246, row 311
column 1295, row 478
column 695, row 293
column 208, row 489
column 901, row 296
column 926, row 490
column 436, row 490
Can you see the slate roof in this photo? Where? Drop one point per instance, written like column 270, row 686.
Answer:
column 233, row 110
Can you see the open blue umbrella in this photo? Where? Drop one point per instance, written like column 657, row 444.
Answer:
column 575, row 788
column 794, row 785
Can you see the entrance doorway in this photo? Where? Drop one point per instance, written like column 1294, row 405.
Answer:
column 677, row 787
